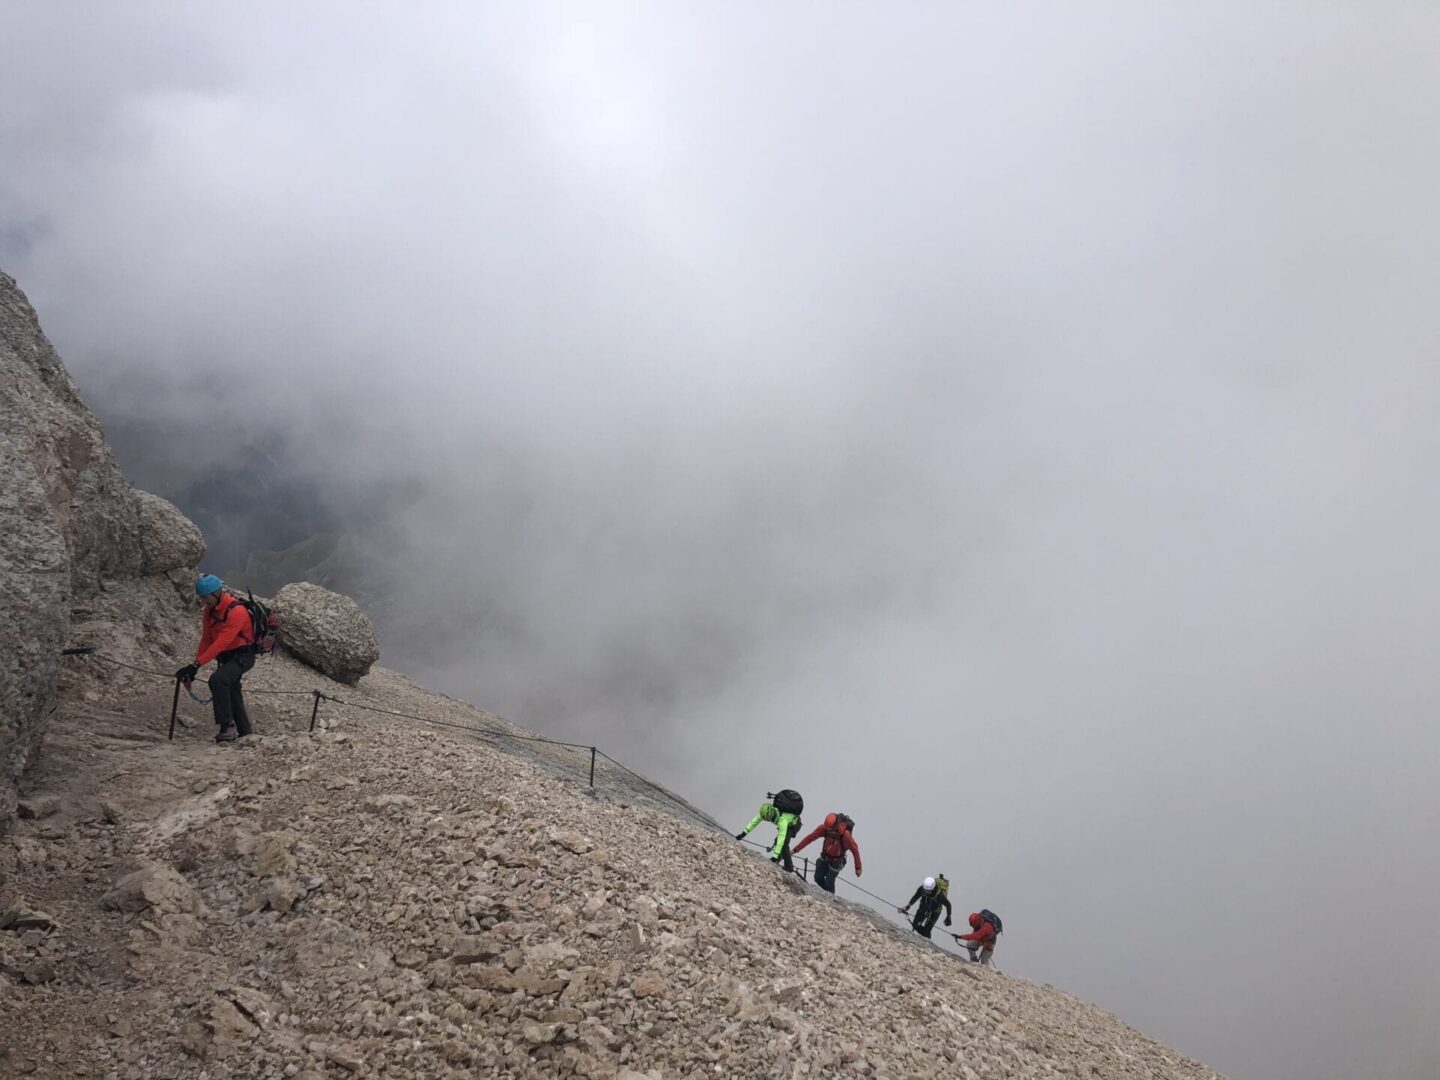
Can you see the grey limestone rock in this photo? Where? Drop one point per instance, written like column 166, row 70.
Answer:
column 72, row 529
column 168, row 539
column 152, row 885
column 327, row 631
column 34, row 605
column 90, row 502
column 67, row 521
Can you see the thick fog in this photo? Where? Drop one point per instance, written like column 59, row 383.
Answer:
column 1015, row 427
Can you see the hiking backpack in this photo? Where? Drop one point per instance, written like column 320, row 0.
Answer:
column 986, row 915
column 263, row 623
column 787, row 801
column 942, row 886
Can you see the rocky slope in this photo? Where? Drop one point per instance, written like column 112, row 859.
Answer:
column 380, row 899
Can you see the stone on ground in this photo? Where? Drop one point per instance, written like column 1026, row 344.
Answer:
column 168, row 539
column 327, row 631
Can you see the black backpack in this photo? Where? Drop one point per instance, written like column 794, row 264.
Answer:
column 787, row 801
column 263, row 622
column 986, row 915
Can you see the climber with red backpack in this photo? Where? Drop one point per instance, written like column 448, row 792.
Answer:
column 837, row 830
column 232, row 632
column 985, row 927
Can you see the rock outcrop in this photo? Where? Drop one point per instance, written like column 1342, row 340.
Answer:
column 89, row 502
column 69, row 521
column 327, row 631
column 66, row 516
column 34, row 604
column 168, row 539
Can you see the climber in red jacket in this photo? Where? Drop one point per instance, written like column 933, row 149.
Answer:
column 981, row 940
column 836, row 828
column 227, row 636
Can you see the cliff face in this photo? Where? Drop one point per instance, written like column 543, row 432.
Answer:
column 70, row 524
column 89, row 502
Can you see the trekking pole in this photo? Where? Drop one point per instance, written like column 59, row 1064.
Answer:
column 592, row 766
column 315, row 709
column 174, row 708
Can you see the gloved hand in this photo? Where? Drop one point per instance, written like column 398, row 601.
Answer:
column 947, row 922
column 187, row 673
column 739, row 836
column 857, row 871
column 903, row 910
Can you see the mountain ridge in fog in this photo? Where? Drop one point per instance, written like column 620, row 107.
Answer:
column 1033, row 414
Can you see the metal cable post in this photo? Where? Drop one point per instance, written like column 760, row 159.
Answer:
column 174, row 708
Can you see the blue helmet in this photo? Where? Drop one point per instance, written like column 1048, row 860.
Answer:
column 206, row 584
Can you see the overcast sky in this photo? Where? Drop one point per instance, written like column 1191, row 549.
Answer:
column 1017, row 428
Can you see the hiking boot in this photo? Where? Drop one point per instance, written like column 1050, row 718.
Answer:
column 227, row 734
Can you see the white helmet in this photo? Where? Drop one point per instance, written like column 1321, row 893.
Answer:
column 929, row 884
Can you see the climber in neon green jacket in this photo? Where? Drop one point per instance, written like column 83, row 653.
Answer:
column 786, row 821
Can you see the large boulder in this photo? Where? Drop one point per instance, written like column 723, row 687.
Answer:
column 68, row 520
column 168, row 539
column 327, row 631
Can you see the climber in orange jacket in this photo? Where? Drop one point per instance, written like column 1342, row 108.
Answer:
column 836, row 828
column 227, row 636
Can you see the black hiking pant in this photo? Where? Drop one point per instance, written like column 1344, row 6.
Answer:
column 926, row 918
column 785, row 858
column 826, row 872
column 226, row 697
